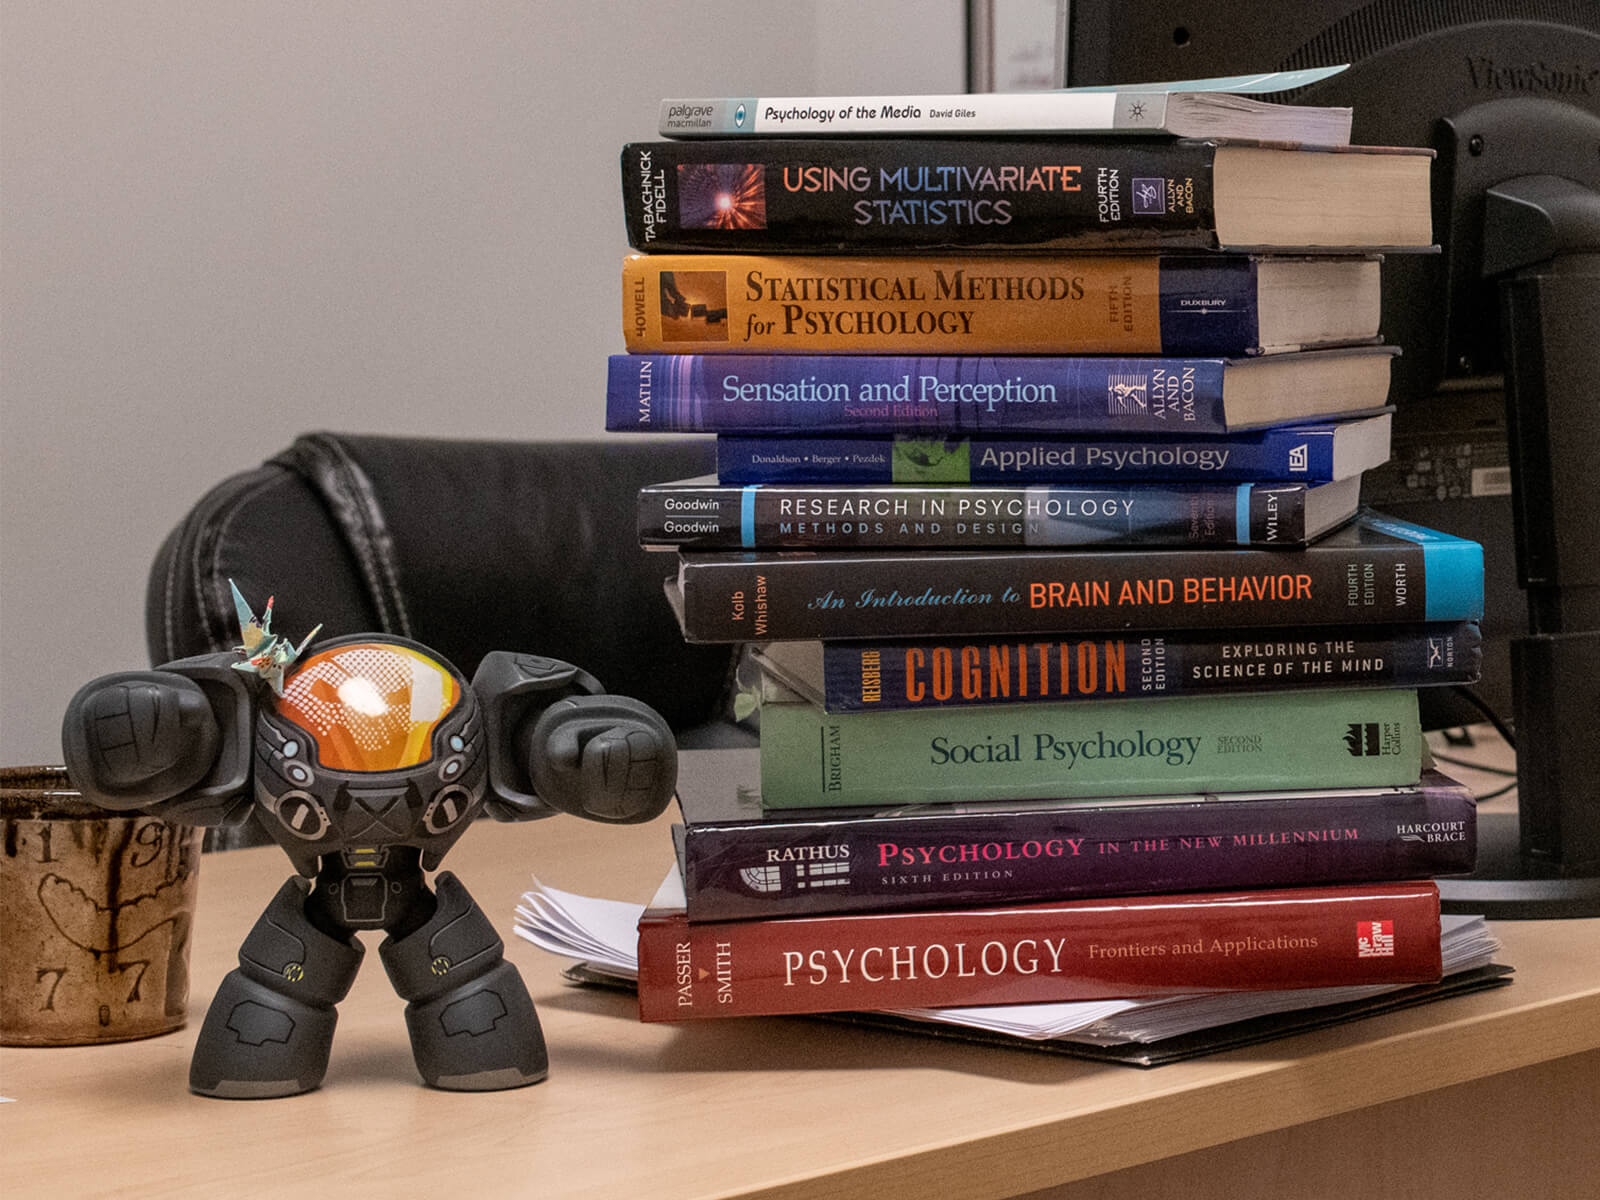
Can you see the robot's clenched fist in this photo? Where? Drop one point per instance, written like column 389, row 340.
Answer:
column 366, row 760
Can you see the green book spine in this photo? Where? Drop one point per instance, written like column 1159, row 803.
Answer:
column 810, row 758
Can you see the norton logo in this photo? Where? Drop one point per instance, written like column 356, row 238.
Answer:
column 738, row 117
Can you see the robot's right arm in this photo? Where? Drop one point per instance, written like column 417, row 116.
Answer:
column 174, row 742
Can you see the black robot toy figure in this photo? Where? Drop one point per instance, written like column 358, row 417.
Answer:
column 365, row 759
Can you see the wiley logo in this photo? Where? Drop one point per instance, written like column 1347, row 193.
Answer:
column 1374, row 939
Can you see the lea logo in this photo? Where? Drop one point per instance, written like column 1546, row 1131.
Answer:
column 1374, row 939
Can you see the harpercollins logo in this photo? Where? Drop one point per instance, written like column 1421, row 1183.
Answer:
column 1299, row 457
column 1373, row 739
column 1374, row 939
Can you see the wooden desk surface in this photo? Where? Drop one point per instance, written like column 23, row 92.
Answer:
column 758, row 1107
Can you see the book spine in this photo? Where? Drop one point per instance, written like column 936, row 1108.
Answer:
column 1245, row 742
column 990, row 113
column 889, row 676
column 1256, row 456
column 1077, row 950
column 803, row 595
column 928, row 859
column 713, row 517
column 762, row 195
column 960, row 304
column 936, row 394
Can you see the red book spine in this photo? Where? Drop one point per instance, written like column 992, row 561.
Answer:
column 1038, row 953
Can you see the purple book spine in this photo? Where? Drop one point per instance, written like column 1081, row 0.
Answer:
column 856, row 862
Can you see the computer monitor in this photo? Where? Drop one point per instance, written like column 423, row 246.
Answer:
column 1497, row 391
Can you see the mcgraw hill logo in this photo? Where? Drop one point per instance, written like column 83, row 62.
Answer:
column 1372, row 739
column 1374, row 939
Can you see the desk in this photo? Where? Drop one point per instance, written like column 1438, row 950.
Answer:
column 1488, row 1094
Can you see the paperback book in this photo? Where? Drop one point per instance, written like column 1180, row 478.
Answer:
column 1180, row 304
column 1374, row 570
column 872, row 676
column 1132, row 110
column 841, row 195
column 702, row 514
column 741, row 861
column 950, row 394
column 1355, row 934
column 1241, row 742
column 1310, row 453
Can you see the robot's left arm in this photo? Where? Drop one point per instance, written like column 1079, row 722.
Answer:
column 174, row 741
column 559, row 743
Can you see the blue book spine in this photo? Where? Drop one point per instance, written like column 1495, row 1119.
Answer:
column 1303, row 453
column 866, row 393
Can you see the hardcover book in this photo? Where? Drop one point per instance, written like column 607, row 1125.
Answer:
column 1315, row 453
column 702, row 514
column 871, row 676
column 1135, row 1031
column 1241, row 742
column 1216, row 304
column 1375, row 933
column 1372, row 571
column 839, row 195
column 1135, row 110
column 740, row 861
column 946, row 394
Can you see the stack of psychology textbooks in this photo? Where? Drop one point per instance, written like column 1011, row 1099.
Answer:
column 1083, row 672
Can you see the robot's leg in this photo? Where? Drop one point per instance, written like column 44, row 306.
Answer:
column 472, row 1022
column 270, row 1026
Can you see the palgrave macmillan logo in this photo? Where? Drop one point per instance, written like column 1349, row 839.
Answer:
column 1374, row 939
column 1300, row 457
column 738, row 117
column 1149, row 197
column 1127, row 395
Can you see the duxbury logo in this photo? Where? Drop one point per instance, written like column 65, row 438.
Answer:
column 738, row 117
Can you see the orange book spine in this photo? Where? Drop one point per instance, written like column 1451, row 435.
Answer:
column 1040, row 304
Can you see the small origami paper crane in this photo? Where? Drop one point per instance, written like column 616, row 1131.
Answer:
column 265, row 654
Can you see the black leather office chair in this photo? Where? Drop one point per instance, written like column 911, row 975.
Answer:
column 465, row 546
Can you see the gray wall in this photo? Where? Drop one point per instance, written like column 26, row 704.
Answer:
column 224, row 224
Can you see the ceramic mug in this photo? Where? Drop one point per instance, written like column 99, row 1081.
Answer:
column 97, row 909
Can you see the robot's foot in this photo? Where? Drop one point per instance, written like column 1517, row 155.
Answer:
column 481, row 1037
column 256, row 1044
column 473, row 1025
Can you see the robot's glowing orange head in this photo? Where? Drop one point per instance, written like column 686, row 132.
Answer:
column 369, row 705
